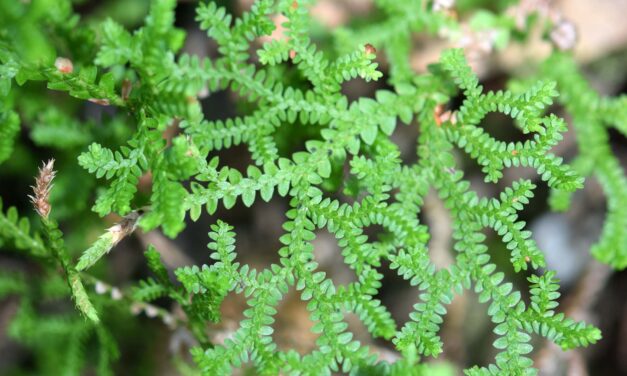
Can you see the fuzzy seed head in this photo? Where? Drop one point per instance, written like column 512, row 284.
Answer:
column 43, row 184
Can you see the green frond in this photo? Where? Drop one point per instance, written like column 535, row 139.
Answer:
column 274, row 52
column 596, row 157
column 148, row 290
column 55, row 129
column 117, row 45
column 55, row 242
column 9, row 129
column 101, row 247
column 454, row 62
column 526, row 109
column 19, row 231
column 156, row 265
column 12, row 283
column 85, row 84
column 81, row 299
column 167, row 209
column 123, row 167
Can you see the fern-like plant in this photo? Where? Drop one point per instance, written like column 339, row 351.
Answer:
column 293, row 81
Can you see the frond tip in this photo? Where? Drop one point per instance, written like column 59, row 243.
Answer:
column 41, row 189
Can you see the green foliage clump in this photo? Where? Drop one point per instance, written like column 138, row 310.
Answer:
column 286, row 83
column 592, row 116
